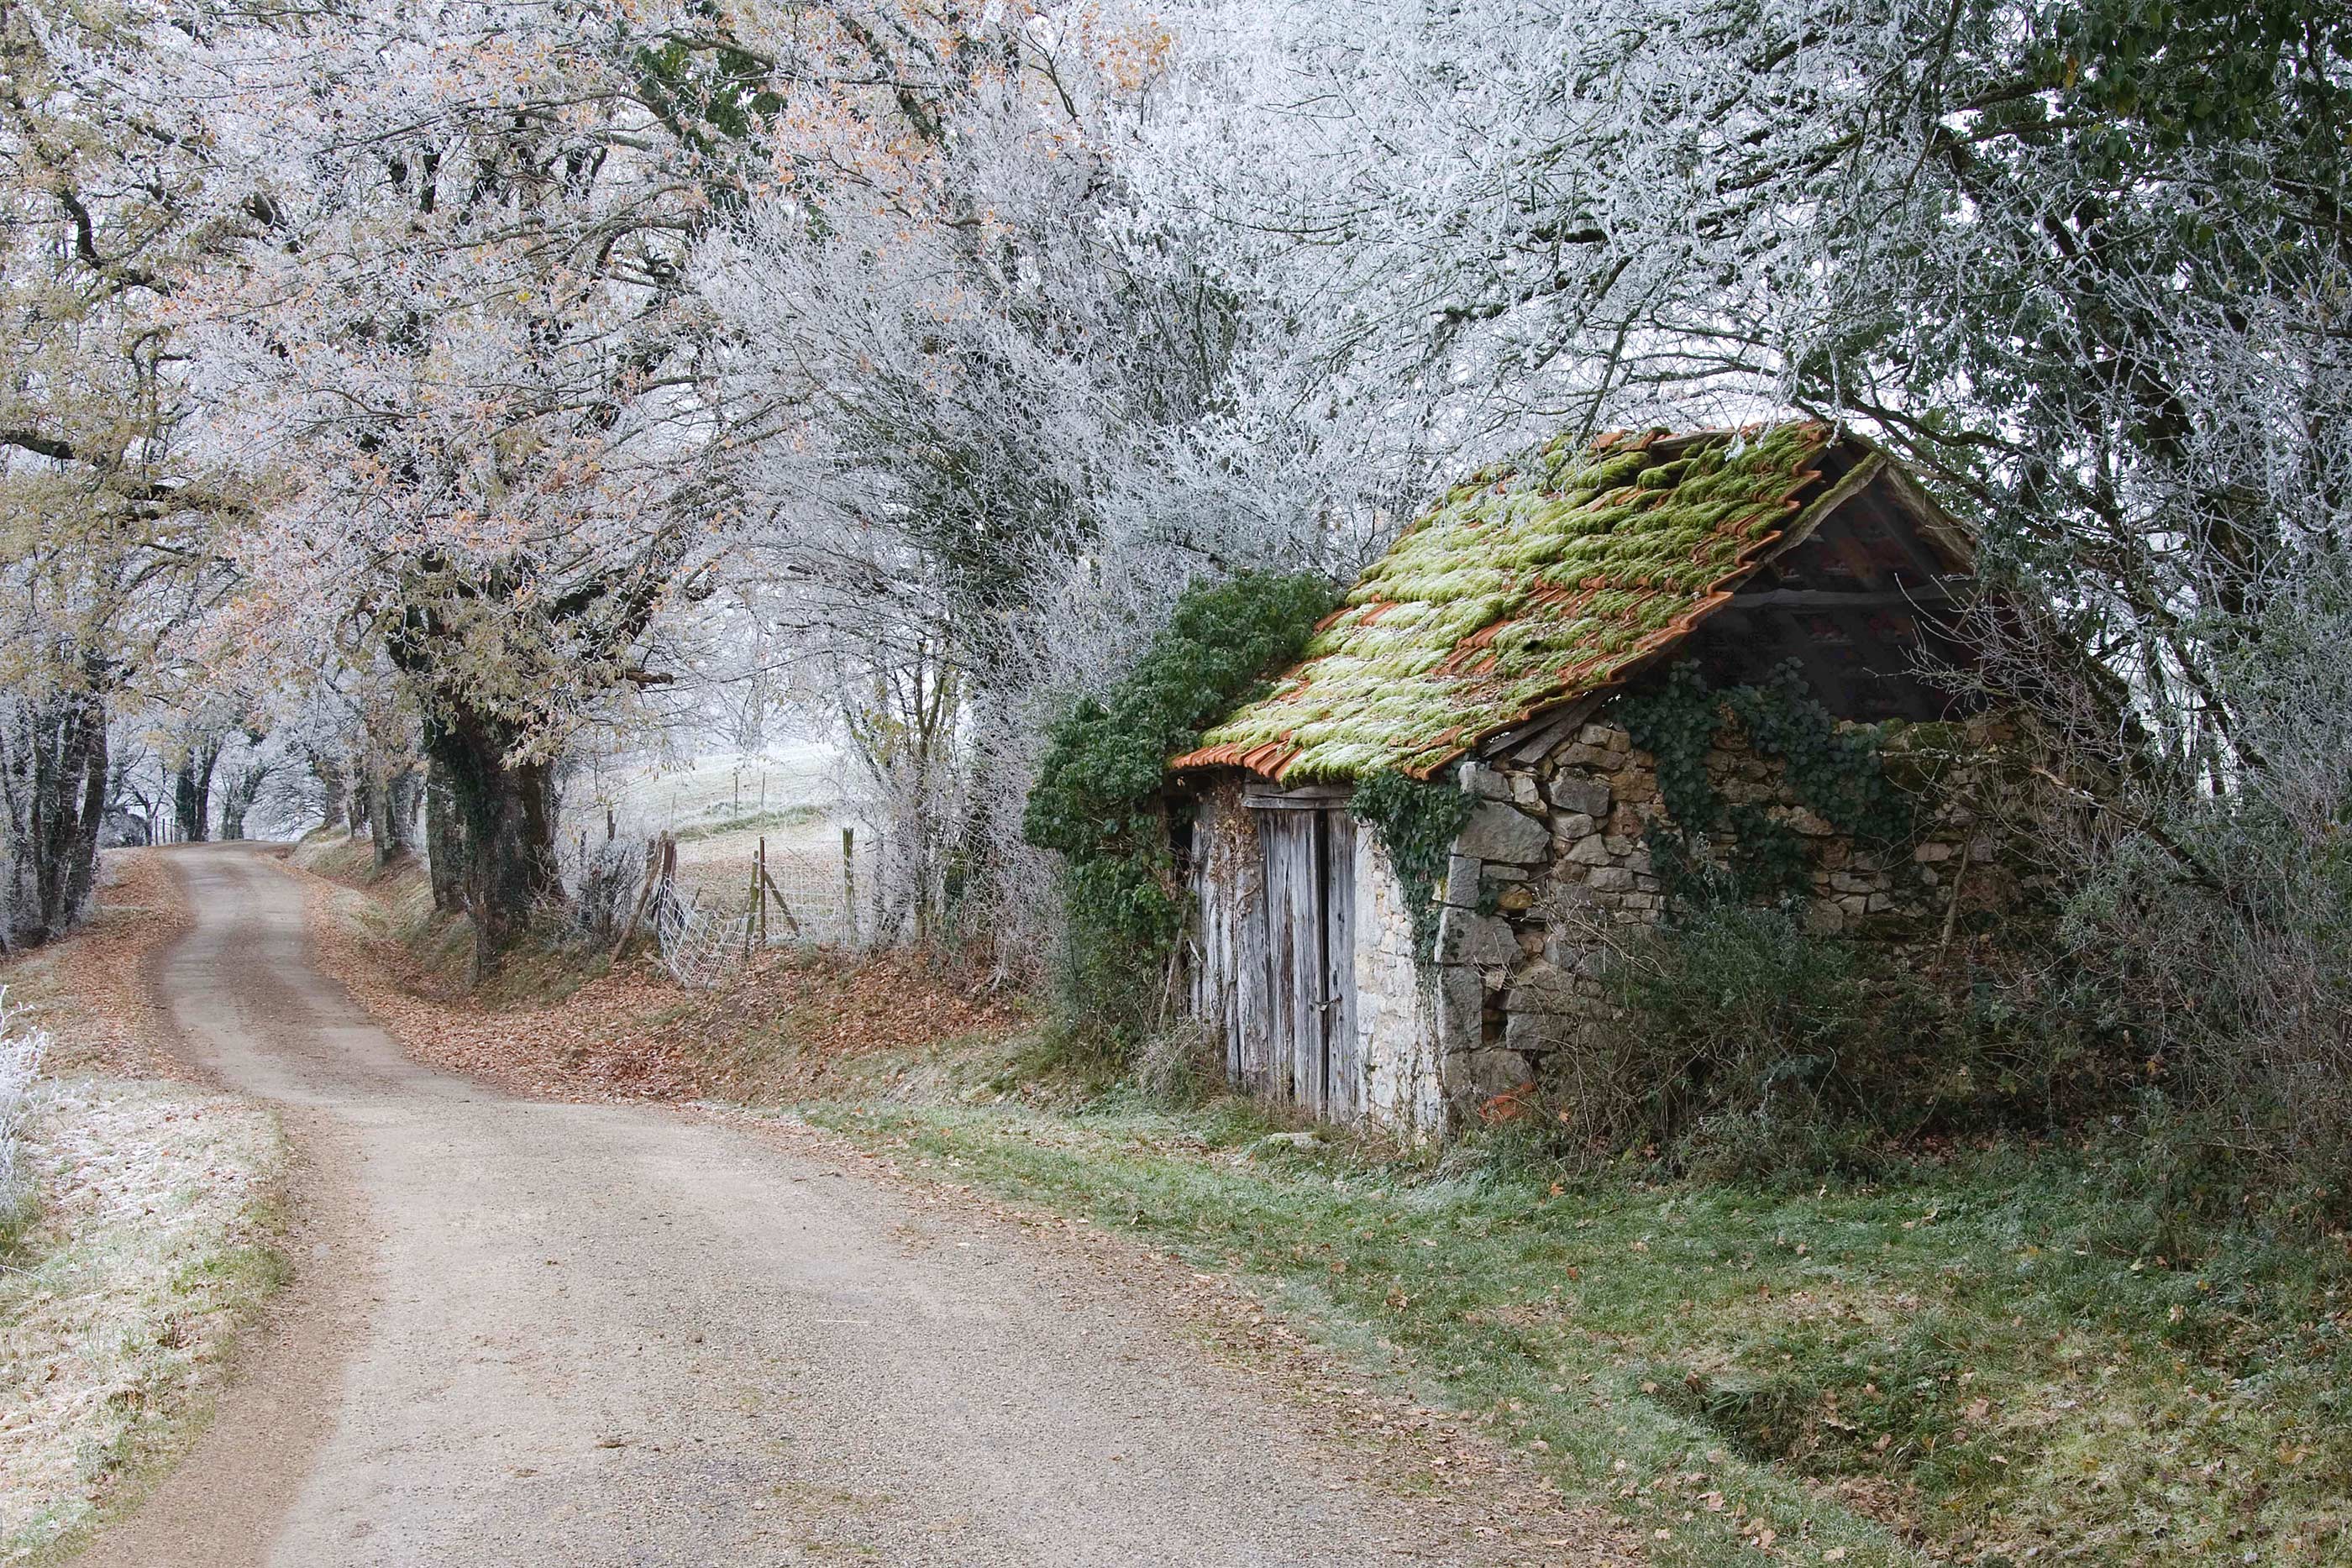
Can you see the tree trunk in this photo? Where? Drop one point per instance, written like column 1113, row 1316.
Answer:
column 191, row 793
column 183, row 804
column 505, row 809
column 357, row 808
column 334, row 786
column 407, row 794
column 444, row 841
column 61, row 764
column 392, row 815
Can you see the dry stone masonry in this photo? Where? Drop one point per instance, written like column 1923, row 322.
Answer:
column 1551, row 870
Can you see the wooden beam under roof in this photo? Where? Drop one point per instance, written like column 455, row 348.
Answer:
column 1304, row 798
column 1543, row 730
column 1829, row 598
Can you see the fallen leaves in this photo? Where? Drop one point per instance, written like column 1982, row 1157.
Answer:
column 634, row 1034
column 96, row 1000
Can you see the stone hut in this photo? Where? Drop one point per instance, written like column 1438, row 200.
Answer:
column 1493, row 646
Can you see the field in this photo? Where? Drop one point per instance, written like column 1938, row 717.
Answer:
column 721, row 807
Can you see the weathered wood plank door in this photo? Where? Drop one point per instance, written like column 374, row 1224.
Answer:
column 1230, row 982
column 1342, row 1075
column 1311, row 954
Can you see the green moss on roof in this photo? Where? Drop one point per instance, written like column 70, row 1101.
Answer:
column 1528, row 584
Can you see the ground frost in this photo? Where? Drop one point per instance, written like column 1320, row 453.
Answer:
column 148, row 1244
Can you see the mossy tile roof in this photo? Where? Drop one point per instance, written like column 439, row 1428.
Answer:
column 1528, row 584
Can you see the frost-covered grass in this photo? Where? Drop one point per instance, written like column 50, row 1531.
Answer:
column 21, row 1047
column 148, row 1244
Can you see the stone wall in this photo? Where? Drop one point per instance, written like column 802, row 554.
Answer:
column 1395, row 1029
column 1552, row 863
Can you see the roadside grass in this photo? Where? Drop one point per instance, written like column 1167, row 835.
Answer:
column 150, row 1239
column 1979, row 1359
column 340, row 856
column 151, row 1246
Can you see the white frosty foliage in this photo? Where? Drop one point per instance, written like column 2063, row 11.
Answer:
column 21, row 1049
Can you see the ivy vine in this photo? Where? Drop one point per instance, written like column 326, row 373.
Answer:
column 1838, row 774
column 1097, row 796
column 1416, row 823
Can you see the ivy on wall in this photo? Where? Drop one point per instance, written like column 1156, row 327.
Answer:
column 1097, row 795
column 1837, row 774
column 1416, row 823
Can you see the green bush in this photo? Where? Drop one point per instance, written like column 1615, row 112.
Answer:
column 1743, row 1033
column 1097, row 799
column 1752, row 1049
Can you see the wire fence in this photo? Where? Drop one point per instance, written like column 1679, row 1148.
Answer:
column 712, row 910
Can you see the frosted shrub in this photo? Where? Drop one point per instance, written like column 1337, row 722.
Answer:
column 20, row 1058
column 607, row 886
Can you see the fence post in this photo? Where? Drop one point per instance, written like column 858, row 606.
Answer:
column 644, row 897
column 849, row 882
column 759, row 880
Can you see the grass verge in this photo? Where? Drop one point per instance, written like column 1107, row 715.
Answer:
column 2000, row 1356
column 1975, row 1362
column 152, row 1246
column 151, row 1234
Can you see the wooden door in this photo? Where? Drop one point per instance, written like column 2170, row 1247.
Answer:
column 1342, row 1086
column 1310, row 955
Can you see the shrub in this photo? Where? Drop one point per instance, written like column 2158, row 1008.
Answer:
column 1097, row 797
column 608, row 877
column 1741, row 1042
column 2236, row 995
column 1179, row 1066
column 2211, row 916
column 1750, row 1049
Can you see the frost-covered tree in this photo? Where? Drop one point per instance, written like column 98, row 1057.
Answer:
column 115, row 191
column 2084, row 263
column 473, row 361
column 995, row 416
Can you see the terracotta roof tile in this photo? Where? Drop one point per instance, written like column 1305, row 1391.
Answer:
column 1527, row 585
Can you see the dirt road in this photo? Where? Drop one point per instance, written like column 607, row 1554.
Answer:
column 532, row 1332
